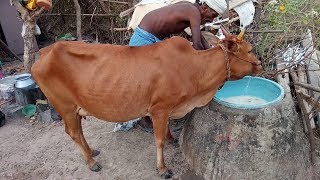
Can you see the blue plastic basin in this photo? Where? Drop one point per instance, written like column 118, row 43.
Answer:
column 249, row 93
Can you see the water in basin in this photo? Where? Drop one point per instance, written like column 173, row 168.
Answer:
column 249, row 93
column 245, row 100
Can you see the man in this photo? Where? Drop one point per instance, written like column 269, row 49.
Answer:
column 162, row 23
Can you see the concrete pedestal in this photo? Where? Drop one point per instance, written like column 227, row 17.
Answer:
column 225, row 143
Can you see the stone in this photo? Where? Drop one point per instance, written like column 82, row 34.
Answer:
column 54, row 115
column 45, row 116
column 225, row 143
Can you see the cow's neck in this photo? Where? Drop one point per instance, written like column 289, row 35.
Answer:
column 215, row 68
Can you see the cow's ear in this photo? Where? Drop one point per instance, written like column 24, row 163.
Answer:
column 232, row 45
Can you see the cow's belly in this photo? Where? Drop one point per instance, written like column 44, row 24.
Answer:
column 189, row 105
column 111, row 115
column 115, row 107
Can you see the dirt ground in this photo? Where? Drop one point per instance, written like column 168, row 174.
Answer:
column 36, row 150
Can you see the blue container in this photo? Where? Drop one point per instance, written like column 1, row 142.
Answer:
column 249, row 93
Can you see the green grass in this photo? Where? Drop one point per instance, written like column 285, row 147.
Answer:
column 294, row 17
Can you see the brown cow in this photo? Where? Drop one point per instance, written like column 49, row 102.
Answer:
column 165, row 80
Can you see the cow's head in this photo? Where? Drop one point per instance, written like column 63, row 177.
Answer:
column 239, row 52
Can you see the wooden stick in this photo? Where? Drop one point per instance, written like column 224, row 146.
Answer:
column 315, row 107
column 280, row 70
column 307, row 86
column 59, row 14
column 78, row 15
column 233, row 20
column 95, row 8
column 312, row 77
column 120, row 2
column 302, row 77
column 306, row 120
column 103, row 6
column 127, row 12
column 37, row 13
column 267, row 31
column 271, row 74
column 226, row 13
column 284, row 79
column 120, row 29
column 310, row 100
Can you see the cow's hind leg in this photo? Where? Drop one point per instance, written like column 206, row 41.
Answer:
column 64, row 105
column 74, row 129
column 160, row 128
column 94, row 152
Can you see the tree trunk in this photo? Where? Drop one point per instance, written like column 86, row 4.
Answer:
column 78, row 12
column 29, row 20
column 28, row 38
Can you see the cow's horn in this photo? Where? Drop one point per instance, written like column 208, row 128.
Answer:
column 240, row 36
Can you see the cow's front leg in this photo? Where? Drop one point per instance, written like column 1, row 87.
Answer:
column 160, row 128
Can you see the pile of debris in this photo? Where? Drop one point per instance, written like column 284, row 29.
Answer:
column 20, row 94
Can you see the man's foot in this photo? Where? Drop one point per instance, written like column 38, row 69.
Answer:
column 146, row 124
column 125, row 126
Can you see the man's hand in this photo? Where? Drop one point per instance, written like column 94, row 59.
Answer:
column 198, row 46
column 195, row 20
column 204, row 42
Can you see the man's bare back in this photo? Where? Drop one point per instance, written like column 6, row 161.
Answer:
column 170, row 19
column 175, row 18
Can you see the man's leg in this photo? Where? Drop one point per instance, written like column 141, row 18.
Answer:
column 146, row 124
column 125, row 126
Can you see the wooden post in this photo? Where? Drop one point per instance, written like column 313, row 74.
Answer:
column 302, row 77
column 226, row 14
column 127, row 12
column 29, row 21
column 78, row 12
column 306, row 118
column 312, row 63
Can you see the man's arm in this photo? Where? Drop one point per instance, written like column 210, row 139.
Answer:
column 204, row 42
column 195, row 20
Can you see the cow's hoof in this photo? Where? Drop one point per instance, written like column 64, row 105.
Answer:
column 167, row 174
column 96, row 167
column 95, row 153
